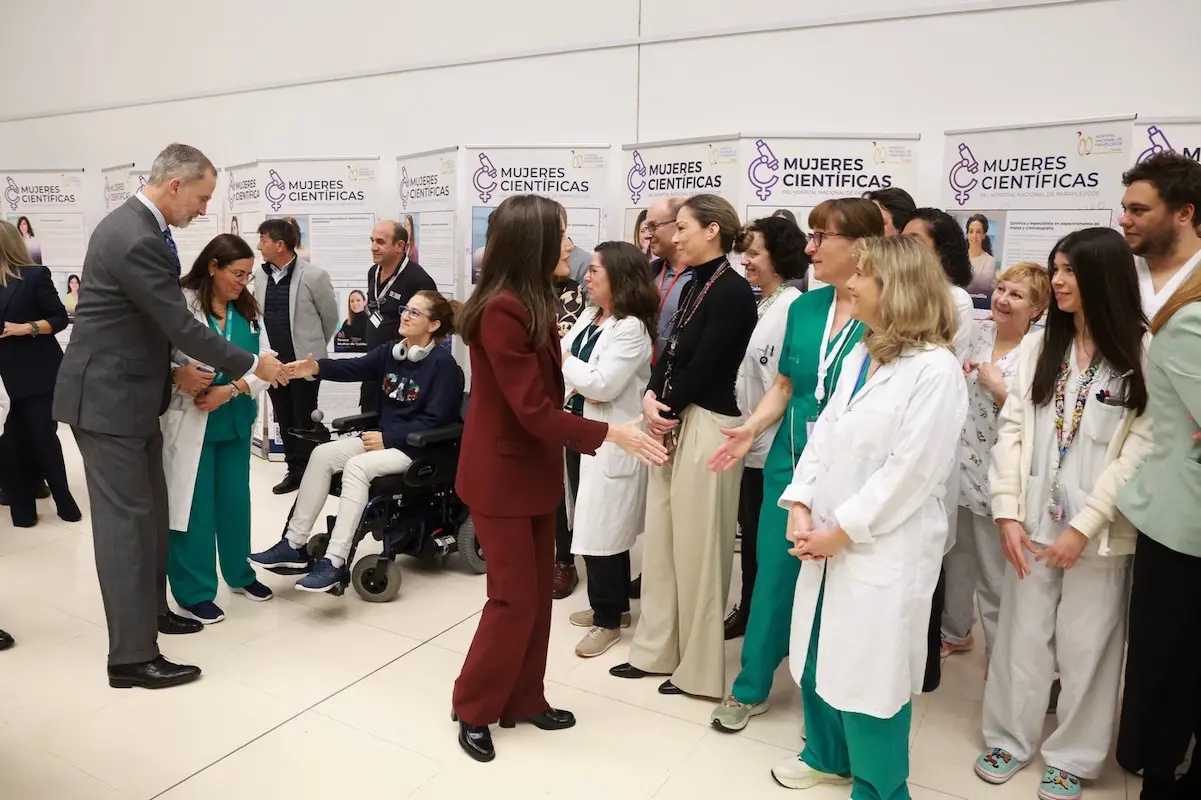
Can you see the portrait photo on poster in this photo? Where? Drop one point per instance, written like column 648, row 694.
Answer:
column 301, row 221
column 985, row 233
column 70, row 293
column 412, row 226
column 28, row 234
column 352, row 333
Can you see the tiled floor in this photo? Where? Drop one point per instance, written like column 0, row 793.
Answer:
column 315, row 697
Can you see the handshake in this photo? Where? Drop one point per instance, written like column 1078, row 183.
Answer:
column 273, row 371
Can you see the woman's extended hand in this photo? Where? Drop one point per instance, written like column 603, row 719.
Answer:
column 1015, row 543
column 635, row 441
column 737, row 444
column 1065, row 550
column 306, row 368
column 652, row 411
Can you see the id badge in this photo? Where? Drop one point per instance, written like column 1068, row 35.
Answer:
column 810, row 424
column 375, row 319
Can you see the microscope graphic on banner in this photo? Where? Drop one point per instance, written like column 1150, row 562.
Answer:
column 762, row 171
column 1158, row 141
column 636, row 178
column 963, row 185
column 404, row 187
column 12, row 193
column 275, row 190
column 484, row 179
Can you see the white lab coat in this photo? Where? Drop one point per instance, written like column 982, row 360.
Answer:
column 877, row 465
column 760, row 365
column 183, row 427
column 5, row 404
column 610, row 507
column 964, row 334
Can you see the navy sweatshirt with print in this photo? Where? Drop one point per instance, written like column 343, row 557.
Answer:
column 415, row 396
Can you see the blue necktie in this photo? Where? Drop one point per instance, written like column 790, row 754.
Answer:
column 174, row 251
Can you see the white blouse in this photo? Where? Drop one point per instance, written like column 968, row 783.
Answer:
column 761, row 364
column 980, row 430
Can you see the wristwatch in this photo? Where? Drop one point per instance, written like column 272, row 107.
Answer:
column 234, row 391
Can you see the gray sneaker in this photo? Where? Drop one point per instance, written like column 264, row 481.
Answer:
column 732, row 716
column 597, row 642
column 586, row 619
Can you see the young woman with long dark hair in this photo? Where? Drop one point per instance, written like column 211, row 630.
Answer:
column 1072, row 433
column 511, row 467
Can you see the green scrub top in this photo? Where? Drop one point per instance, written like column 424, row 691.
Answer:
column 799, row 363
column 235, row 419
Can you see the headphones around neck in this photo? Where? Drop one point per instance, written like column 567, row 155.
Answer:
column 403, row 351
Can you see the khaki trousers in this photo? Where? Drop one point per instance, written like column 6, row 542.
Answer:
column 688, row 551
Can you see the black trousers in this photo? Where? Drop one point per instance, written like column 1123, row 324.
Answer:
column 750, row 500
column 934, row 635
column 1161, row 706
column 562, row 527
column 29, row 451
column 608, row 588
column 294, row 405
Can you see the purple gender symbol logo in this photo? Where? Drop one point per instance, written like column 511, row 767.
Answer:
column 404, row 187
column 636, row 177
column 765, row 162
column 12, row 193
column 484, row 178
column 275, row 190
column 966, row 163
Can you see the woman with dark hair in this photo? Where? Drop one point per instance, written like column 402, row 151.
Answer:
column 25, row 227
column 31, row 313
column 1072, row 433
column 606, row 366
column 411, row 229
column 896, row 206
column 691, row 511
column 979, row 251
column 642, row 233
column 511, row 467
column 773, row 254
column 206, row 442
column 71, row 298
column 818, row 335
column 352, row 336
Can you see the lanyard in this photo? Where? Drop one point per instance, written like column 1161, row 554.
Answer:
column 382, row 291
column 766, row 302
column 227, row 333
column 586, row 339
column 663, row 295
column 862, row 377
column 824, row 360
column 697, row 303
column 1064, row 439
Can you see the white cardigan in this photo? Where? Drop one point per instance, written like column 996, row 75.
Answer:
column 183, row 427
column 760, row 365
column 1013, row 456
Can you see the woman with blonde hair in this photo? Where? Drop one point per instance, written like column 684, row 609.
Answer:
column 865, row 509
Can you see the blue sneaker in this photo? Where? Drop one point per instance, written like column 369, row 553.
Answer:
column 254, row 591
column 282, row 554
column 324, row 577
column 206, row 612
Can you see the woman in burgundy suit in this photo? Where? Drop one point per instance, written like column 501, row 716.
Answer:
column 511, row 467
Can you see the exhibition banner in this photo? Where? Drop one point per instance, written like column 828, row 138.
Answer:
column 1018, row 190
column 577, row 177
column 428, row 185
column 1156, row 134
column 117, row 186
column 796, row 172
column 677, row 168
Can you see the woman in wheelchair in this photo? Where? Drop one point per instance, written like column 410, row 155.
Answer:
column 422, row 388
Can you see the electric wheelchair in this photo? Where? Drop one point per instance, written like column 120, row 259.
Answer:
column 416, row 514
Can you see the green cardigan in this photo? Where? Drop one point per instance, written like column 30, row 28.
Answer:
column 1162, row 498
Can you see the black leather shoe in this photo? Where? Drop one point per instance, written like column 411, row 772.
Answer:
column 628, row 670
column 476, row 740
column 552, row 719
column 289, row 484
column 43, row 492
column 736, row 624
column 171, row 623
column 157, row 674
column 667, row 687
column 636, row 588
column 6, row 640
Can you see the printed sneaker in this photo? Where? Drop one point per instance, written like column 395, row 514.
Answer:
column 597, row 642
column 732, row 716
column 587, row 619
column 254, row 591
column 997, row 765
column 796, row 774
column 324, row 577
column 1059, row 785
column 205, row 612
column 950, row 648
column 281, row 555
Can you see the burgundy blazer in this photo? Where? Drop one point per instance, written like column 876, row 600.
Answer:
column 511, row 460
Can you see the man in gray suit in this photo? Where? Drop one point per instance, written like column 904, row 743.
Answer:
column 300, row 314
column 115, row 382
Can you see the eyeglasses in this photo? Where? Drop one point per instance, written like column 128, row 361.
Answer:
column 817, row 237
column 239, row 275
column 654, row 226
column 409, row 311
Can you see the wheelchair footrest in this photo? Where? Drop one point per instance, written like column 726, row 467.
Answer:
column 289, row 570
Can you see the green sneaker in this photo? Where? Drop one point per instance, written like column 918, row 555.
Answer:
column 997, row 765
column 1059, row 785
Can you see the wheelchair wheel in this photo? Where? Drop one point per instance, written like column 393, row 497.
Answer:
column 469, row 548
column 317, row 545
column 376, row 585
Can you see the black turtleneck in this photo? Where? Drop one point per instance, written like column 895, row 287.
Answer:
column 711, row 335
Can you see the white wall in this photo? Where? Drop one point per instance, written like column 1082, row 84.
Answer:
column 1066, row 60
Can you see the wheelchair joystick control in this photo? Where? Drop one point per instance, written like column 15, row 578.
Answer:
column 318, row 416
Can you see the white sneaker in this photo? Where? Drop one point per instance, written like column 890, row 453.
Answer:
column 796, row 774
column 732, row 716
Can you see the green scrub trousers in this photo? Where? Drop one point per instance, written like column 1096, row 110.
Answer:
column 220, row 517
column 873, row 751
column 770, row 625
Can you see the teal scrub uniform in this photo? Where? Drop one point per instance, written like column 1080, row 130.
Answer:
column 220, row 515
column 769, row 627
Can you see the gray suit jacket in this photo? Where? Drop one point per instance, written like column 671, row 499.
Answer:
column 115, row 376
column 313, row 308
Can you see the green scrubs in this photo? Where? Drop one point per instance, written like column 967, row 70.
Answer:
column 770, row 624
column 220, row 515
column 873, row 751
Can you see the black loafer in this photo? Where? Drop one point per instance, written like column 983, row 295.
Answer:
column 667, row 687
column 628, row 670
column 476, row 740
column 157, row 674
column 552, row 719
column 289, row 484
column 6, row 640
column 171, row 624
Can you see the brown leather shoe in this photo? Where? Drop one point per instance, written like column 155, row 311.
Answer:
column 566, row 579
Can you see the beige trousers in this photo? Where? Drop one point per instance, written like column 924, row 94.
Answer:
column 688, row 551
